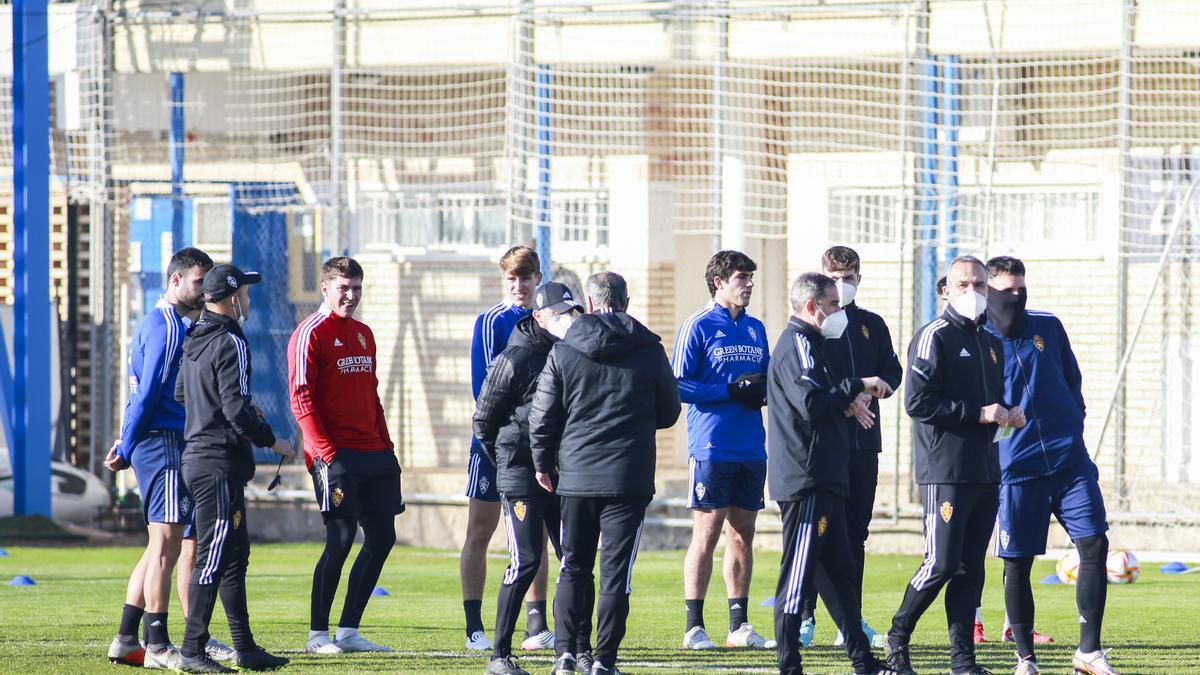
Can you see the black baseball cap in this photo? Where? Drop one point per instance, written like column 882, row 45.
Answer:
column 555, row 296
column 223, row 281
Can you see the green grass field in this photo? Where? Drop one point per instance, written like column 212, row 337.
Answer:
column 64, row 624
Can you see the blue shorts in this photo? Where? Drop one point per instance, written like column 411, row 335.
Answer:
column 165, row 497
column 481, row 476
column 718, row 485
column 1072, row 495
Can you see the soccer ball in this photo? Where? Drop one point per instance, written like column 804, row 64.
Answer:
column 1068, row 567
column 1123, row 567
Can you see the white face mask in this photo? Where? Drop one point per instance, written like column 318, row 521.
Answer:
column 969, row 305
column 558, row 325
column 845, row 292
column 834, row 326
column 241, row 318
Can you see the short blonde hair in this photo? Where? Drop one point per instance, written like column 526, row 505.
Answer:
column 520, row 261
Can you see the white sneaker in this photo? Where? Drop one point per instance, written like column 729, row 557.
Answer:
column 697, row 638
column 321, row 643
column 1093, row 663
column 874, row 638
column 542, row 640
column 1026, row 667
column 219, row 651
column 746, row 636
column 167, row 659
column 478, row 642
column 358, row 643
column 126, row 653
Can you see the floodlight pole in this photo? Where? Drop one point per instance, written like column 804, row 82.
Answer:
column 30, row 408
column 176, row 143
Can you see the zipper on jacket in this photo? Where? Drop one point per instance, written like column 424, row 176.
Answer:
column 1029, row 393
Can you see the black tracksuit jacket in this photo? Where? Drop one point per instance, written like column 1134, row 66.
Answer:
column 866, row 347
column 606, row 388
column 501, row 421
column 807, row 445
column 955, row 369
column 214, row 388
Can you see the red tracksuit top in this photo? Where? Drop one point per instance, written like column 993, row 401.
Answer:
column 334, row 389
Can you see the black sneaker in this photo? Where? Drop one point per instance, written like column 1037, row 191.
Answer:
column 873, row 666
column 898, row 662
column 258, row 659
column 565, row 665
column 973, row 670
column 583, row 662
column 201, row 663
column 601, row 669
column 504, row 666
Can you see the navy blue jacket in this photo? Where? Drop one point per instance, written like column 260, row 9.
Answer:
column 1042, row 377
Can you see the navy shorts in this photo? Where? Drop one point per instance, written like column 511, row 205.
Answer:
column 719, row 485
column 1071, row 495
column 481, row 476
column 165, row 498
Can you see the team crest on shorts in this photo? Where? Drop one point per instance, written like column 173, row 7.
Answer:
column 362, row 340
column 483, row 483
column 1004, row 539
column 947, row 510
column 1039, row 343
column 866, row 333
column 237, row 519
column 995, row 359
column 700, row 490
column 185, row 505
column 822, row 525
column 519, row 510
column 337, row 496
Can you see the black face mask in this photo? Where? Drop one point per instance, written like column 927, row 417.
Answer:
column 1006, row 311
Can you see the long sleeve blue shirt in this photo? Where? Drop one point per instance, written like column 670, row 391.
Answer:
column 154, row 356
column 488, row 339
column 712, row 349
column 1042, row 377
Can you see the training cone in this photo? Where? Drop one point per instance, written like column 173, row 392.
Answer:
column 3, row 553
column 1052, row 579
column 22, row 580
column 1173, row 568
column 380, row 590
column 769, row 602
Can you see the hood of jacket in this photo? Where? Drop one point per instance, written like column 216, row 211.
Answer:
column 608, row 336
column 210, row 326
column 527, row 334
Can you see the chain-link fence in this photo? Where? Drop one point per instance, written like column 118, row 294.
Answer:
column 425, row 138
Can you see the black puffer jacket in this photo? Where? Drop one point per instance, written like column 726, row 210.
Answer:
column 501, row 421
column 605, row 390
column 214, row 388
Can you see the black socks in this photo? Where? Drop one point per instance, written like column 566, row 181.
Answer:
column 535, row 617
column 738, row 608
column 130, row 618
column 155, row 624
column 473, row 609
column 695, row 613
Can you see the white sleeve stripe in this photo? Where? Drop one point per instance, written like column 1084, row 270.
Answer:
column 241, row 353
column 925, row 346
column 169, row 346
column 803, row 350
column 682, row 338
column 303, row 344
column 488, row 325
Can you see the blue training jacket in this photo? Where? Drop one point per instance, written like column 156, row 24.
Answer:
column 712, row 350
column 488, row 339
column 155, row 353
column 1042, row 377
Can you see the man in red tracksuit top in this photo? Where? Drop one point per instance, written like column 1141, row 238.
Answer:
column 335, row 399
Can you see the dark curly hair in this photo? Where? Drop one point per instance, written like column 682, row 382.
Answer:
column 725, row 264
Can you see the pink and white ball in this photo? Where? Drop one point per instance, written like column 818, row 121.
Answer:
column 1123, row 567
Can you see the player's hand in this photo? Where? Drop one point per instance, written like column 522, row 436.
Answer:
column 994, row 414
column 876, row 387
column 1016, row 418
column 750, row 389
column 862, row 411
column 283, row 449
column 545, row 481
column 113, row 461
